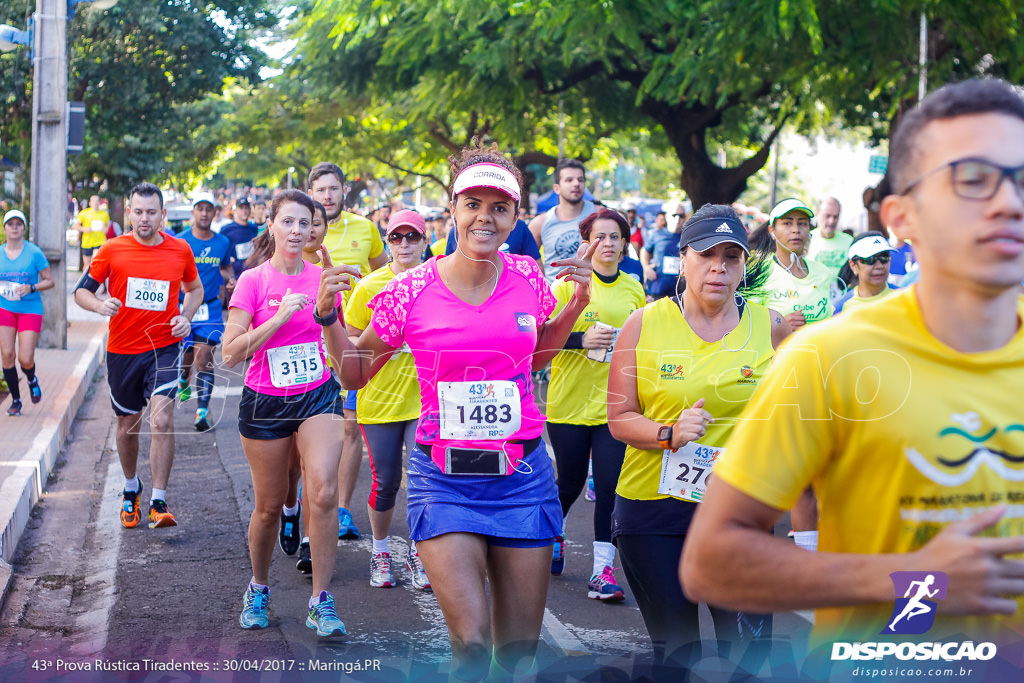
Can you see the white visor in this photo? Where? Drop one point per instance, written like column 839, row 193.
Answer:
column 487, row 175
column 868, row 247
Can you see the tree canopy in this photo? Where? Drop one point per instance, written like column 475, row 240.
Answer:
column 144, row 71
column 700, row 73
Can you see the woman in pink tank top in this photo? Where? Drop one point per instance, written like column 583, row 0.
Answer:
column 482, row 501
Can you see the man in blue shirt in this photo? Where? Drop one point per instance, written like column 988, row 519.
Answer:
column 213, row 261
column 660, row 258
column 241, row 233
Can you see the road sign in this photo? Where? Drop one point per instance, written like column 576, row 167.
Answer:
column 878, row 163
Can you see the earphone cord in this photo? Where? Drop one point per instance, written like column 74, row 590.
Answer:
column 789, row 268
column 750, row 325
column 497, row 274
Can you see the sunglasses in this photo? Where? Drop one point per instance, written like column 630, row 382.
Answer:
column 410, row 237
column 870, row 260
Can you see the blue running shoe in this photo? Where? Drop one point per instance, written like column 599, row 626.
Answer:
column 590, row 494
column 254, row 608
column 35, row 389
column 558, row 556
column 324, row 619
column 346, row 529
column 603, row 587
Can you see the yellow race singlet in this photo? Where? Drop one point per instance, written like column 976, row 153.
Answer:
column 578, row 391
column 393, row 394
column 675, row 368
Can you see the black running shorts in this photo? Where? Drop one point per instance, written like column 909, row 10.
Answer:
column 265, row 417
column 134, row 377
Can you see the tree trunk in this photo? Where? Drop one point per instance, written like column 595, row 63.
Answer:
column 704, row 181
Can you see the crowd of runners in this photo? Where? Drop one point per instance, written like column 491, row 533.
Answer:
column 786, row 358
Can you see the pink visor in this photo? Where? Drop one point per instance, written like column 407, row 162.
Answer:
column 487, row 175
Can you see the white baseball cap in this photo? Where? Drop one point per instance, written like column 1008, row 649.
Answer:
column 14, row 213
column 204, row 197
column 787, row 205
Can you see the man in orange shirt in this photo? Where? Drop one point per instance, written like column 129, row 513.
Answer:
column 144, row 269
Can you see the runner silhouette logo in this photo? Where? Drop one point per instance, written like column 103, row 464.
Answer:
column 914, row 612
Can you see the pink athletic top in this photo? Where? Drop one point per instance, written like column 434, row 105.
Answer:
column 300, row 369
column 453, row 341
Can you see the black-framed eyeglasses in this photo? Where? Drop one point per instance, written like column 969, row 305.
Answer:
column 410, row 237
column 870, row 260
column 976, row 179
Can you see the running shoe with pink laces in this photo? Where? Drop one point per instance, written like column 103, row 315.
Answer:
column 603, row 587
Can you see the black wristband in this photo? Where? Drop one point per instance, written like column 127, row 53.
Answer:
column 574, row 341
column 32, row 289
column 331, row 318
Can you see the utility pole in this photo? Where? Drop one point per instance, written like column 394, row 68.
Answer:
column 922, row 59
column 49, row 193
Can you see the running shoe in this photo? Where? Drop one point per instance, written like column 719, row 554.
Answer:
column 324, row 619
column 130, row 507
column 558, row 556
column 603, row 587
column 36, row 390
column 15, row 409
column 202, row 423
column 159, row 517
column 184, row 389
column 254, row 608
column 380, row 571
column 305, row 561
column 289, row 534
column 590, row 493
column 346, row 529
column 415, row 567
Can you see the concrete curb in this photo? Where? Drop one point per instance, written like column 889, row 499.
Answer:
column 23, row 488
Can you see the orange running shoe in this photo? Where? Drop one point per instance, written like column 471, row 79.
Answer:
column 159, row 517
column 130, row 508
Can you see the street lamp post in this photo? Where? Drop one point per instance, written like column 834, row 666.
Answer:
column 48, row 199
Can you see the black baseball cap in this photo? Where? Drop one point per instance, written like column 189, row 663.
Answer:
column 244, row 201
column 705, row 233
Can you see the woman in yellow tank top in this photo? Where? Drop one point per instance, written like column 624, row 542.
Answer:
column 683, row 370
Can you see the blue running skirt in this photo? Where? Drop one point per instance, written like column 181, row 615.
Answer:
column 516, row 507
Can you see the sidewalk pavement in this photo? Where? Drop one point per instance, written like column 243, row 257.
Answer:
column 29, row 444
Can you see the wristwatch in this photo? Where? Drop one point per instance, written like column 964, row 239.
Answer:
column 327, row 320
column 32, row 289
column 665, row 436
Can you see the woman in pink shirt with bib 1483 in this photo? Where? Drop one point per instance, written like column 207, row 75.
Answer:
column 482, row 501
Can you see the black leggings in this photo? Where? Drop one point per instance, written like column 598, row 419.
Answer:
column 573, row 446
column 384, row 445
column 651, row 566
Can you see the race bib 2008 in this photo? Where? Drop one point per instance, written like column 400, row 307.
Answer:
column 148, row 295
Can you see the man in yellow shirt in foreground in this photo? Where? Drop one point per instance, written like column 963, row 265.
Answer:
column 904, row 416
